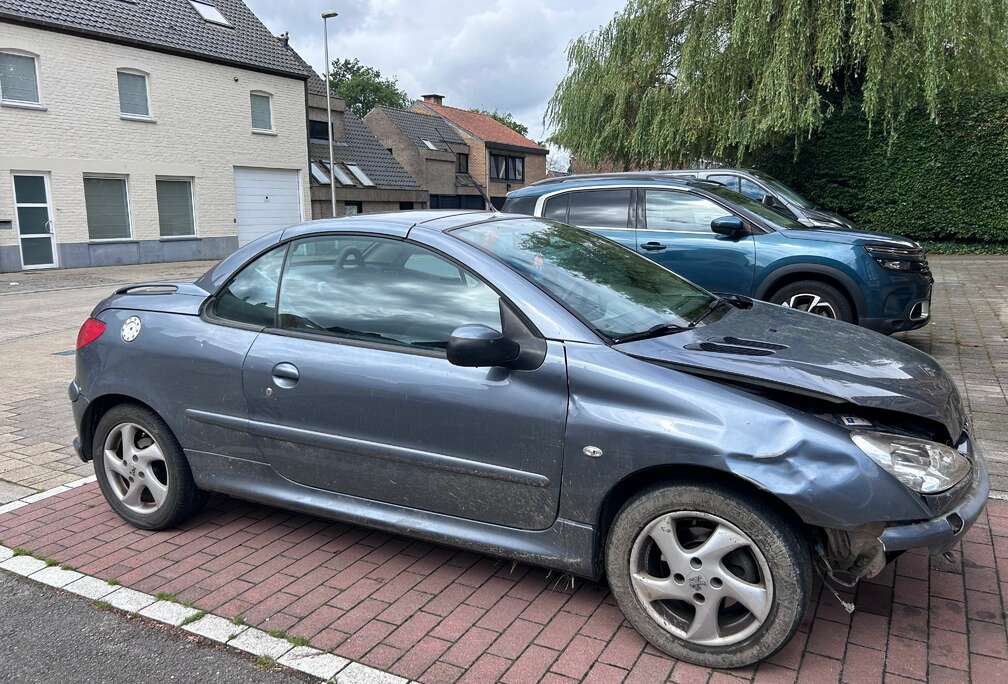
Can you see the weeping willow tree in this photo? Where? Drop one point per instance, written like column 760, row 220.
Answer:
column 671, row 80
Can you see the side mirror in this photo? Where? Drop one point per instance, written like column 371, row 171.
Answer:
column 474, row 346
column 730, row 226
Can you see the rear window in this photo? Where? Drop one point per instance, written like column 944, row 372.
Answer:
column 520, row 205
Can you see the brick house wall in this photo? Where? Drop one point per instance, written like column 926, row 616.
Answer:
column 202, row 131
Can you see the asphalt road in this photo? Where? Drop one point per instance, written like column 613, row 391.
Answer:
column 51, row 636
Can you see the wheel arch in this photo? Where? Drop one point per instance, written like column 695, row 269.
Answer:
column 679, row 474
column 97, row 408
column 792, row 274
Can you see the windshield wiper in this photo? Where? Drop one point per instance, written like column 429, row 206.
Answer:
column 653, row 331
column 706, row 312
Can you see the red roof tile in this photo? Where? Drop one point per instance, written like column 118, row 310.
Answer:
column 482, row 126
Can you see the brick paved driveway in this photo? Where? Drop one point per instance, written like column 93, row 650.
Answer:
column 436, row 614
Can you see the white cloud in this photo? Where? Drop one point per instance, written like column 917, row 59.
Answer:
column 497, row 54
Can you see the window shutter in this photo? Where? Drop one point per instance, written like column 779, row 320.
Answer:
column 133, row 94
column 175, row 210
column 261, row 118
column 17, row 78
column 107, row 208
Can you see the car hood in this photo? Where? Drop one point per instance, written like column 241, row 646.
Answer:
column 855, row 237
column 780, row 348
column 829, row 217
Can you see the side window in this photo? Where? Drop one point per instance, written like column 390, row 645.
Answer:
column 681, row 211
column 600, row 208
column 556, row 207
column 730, row 181
column 751, row 190
column 250, row 297
column 381, row 290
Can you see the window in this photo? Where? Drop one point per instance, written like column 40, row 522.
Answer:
column 359, row 174
column 262, row 112
column 341, row 175
column 751, row 190
column 681, row 211
column 319, row 173
column 503, row 167
column 730, row 181
column 381, row 290
column 18, row 78
column 209, row 12
column 133, row 94
column 353, row 208
column 556, row 207
column 429, row 144
column 251, row 295
column 318, row 130
column 175, row 207
column 405, row 206
column 107, row 202
column 600, row 208
column 462, row 162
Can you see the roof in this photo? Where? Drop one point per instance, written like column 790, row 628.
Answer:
column 484, row 127
column 361, row 147
column 419, row 127
column 165, row 25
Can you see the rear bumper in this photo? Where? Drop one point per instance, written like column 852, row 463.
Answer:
column 939, row 534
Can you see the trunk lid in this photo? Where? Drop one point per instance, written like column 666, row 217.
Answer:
column 177, row 298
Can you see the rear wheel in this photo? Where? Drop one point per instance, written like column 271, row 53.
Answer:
column 142, row 471
column 815, row 297
column 707, row 574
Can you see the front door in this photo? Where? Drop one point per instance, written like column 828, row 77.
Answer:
column 33, row 211
column 605, row 211
column 674, row 230
column 352, row 393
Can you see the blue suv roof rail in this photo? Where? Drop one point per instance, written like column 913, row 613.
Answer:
column 634, row 175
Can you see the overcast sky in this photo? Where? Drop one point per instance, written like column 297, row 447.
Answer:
column 493, row 54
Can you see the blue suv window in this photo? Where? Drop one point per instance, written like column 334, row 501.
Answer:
column 680, row 211
column 600, row 208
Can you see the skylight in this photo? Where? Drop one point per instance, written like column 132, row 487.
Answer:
column 209, row 12
column 319, row 174
column 359, row 174
column 429, row 144
column 341, row 175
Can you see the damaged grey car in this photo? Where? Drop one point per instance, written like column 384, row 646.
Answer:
column 528, row 389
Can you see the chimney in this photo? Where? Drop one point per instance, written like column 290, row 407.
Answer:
column 433, row 98
column 284, row 38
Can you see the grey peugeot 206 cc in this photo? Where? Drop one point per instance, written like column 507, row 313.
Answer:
column 528, row 389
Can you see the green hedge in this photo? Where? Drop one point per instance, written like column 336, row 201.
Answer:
column 944, row 182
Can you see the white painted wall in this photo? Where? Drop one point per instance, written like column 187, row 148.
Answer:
column 203, row 130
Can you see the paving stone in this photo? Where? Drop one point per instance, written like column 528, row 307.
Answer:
column 129, row 600
column 168, row 612
column 216, row 628
column 56, row 577
column 259, row 643
column 356, row 673
column 313, row 661
column 23, row 565
column 91, row 587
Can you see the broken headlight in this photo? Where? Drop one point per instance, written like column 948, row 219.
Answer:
column 923, row 466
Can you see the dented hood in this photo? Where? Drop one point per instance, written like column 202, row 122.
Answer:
column 772, row 346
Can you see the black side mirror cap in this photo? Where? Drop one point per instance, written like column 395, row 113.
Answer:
column 478, row 346
column 731, row 226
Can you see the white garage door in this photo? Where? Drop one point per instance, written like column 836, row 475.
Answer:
column 267, row 200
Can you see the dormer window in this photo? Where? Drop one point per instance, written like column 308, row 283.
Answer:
column 429, row 144
column 19, row 83
column 134, row 95
column 209, row 12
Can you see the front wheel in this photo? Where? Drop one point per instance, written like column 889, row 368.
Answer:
column 708, row 574
column 815, row 297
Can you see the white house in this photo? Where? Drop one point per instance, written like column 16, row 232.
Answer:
column 137, row 131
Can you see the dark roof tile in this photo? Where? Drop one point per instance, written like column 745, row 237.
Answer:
column 419, row 127
column 359, row 146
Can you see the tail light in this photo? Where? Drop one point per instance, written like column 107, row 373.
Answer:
column 90, row 331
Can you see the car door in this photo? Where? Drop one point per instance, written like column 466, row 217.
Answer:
column 674, row 230
column 603, row 210
column 352, row 392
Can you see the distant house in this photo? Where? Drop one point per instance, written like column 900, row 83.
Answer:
column 432, row 151
column 368, row 178
column 500, row 159
column 137, row 132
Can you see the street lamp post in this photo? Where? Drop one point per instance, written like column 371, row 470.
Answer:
column 325, row 33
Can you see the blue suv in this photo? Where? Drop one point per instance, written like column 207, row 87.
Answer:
column 729, row 243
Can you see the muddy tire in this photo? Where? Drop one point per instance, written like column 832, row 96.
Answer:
column 709, row 574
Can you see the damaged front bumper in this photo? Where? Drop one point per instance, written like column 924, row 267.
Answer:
column 941, row 533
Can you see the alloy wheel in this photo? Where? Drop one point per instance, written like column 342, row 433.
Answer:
column 135, row 467
column 701, row 578
column 812, row 303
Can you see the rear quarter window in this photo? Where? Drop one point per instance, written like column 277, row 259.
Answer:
column 520, row 205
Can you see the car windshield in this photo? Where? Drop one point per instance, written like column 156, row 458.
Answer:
column 784, row 191
column 614, row 290
column 753, row 207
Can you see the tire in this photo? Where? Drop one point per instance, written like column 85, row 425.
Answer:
column 142, row 502
column 831, row 302
column 740, row 638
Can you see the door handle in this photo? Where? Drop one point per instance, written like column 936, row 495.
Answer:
column 285, row 375
column 652, row 246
